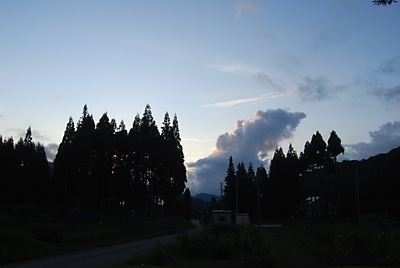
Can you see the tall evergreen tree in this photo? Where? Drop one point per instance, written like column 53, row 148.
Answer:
column 334, row 146
column 230, row 185
column 262, row 191
column 250, row 192
column 84, row 159
column 103, row 151
column 65, row 167
column 241, row 177
column 179, row 168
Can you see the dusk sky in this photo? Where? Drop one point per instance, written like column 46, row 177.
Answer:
column 243, row 77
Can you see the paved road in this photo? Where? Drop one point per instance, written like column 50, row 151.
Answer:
column 98, row 257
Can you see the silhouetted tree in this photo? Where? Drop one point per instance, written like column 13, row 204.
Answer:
column 230, row 185
column 187, row 201
column 241, row 177
column 179, row 169
column 383, row 2
column 9, row 166
column 64, row 167
column 249, row 192
column 262, row 177
column 30, row 169
column 121, row 174
column 103, row 152
column 334, row 146
column 104, row 166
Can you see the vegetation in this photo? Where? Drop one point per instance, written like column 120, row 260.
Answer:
column 383, row 2
column 297, row 244
column 107, row 180
column 100, row 167
column 31, row 231
column 314, row 184
column 211, row 243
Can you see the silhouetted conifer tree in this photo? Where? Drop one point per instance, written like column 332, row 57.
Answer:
column 65, row 171
column 230, row 186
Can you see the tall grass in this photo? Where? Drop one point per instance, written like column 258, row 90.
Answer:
column 213, row 242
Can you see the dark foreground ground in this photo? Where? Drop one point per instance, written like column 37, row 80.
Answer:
column 28, row 232
column 296, row 244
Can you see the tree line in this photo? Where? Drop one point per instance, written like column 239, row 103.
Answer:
column 24, row 171
column 280, row 192
column 101, row 166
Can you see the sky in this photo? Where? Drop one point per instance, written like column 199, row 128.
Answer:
column 243, row 77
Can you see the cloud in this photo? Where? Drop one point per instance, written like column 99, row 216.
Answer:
column 261, row 98
column 251, row 141
column 391, row 66
column 51, row 151
column 235, row 68
column 315, row 89
column 326, row 36
column 390, row 93
column 58, row 98
column 243, row 7
column 266, row 79
column 382, row 141
column 308, row 89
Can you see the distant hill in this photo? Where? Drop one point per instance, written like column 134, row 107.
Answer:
column 206, row 197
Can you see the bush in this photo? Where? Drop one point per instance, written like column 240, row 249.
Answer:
column 156, row 256
column 216, row 242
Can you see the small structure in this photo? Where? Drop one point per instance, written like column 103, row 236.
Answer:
column 222, row 216
column 242, row 218
column 228, row 217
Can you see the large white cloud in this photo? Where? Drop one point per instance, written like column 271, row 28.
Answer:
column 251, row 141
column 382, row 141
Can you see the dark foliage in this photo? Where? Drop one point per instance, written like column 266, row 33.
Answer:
column 316, row 185
column 383, row 2
column 24, row 171
column 100, row 166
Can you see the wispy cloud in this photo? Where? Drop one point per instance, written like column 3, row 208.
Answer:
column 392, row 93
column 253, row 72
column 391, row 66
column 316, row 89
column 261, row 98
column 308, row 89
column 235, row 68
column 58, row 98
column 244, row 7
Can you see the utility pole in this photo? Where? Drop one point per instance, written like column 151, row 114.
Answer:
column 221, row 190
column 357, row 197
column 258, row 201
column 237, row 197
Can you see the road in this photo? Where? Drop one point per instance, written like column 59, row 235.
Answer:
column 98, row 257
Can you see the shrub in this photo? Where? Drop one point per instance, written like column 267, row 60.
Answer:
column 156, row 256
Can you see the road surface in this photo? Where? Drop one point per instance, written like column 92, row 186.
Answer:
column 98, row 257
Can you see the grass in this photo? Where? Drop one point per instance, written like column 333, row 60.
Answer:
column 28, row 232
column 296, row 244
column 216, row 246
column 333, row 244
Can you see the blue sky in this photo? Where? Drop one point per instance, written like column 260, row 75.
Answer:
column 242, row 76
